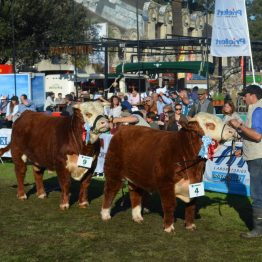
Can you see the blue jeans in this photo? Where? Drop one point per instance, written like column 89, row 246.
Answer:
column 255, row 170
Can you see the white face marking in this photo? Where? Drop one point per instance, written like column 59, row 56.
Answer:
column 136, row 214
column 213, row 126
column 105, row 214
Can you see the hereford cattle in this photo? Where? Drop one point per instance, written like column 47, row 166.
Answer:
column 166, row 162
column 54, row 143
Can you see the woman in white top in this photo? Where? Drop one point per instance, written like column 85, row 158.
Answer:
column 11, row 110
column 134, row 98
column 229, row 113
column 115, row 107
column 50, row 103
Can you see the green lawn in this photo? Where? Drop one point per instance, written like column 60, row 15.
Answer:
column 36, row 230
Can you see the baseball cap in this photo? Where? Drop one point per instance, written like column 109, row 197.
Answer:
column 252, row 89
column 201, row 91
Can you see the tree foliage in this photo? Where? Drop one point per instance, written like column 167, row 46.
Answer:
column 38, row 25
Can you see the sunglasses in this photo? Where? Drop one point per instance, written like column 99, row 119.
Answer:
column 178, row 109
column 148, row 100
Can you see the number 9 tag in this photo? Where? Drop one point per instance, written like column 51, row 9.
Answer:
column 84, row 161
column 196, row 190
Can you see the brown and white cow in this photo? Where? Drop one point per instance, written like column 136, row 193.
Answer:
column 166, row 162
column 54, row 143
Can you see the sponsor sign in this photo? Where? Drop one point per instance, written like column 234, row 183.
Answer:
column 227, row 174
column 230, row 35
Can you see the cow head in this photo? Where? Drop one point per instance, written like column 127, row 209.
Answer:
column 214, row 127
column 93, row 114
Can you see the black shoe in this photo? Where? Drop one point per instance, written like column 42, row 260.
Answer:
column 251, row 234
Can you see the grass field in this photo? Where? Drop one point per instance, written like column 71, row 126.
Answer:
column 36, row 230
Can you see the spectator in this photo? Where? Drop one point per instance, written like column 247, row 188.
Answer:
column 126, row 104
column 68, row 109
column 136, row 118
column 12, row 109
column 203, row 104
column 185, row 101
column 60, row 100
column 134, row 98
column 3, row 106
column 252, row 152
column 115, row 107
column 25, row 104
column 50, row 103
column 161, row 102
column 229, row 113
column 150, row 105
column 194, row 95
column 173, row 119
column 151, row 120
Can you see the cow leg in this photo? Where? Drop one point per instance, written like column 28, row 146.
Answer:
column 168, row 202
column 20, row 171
column 64, row 180
column 83, row 201
column 190, row 211
column 110, row 190
column 136, row 199
column 38, row 174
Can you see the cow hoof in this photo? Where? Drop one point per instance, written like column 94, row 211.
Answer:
column 136, row 214
column 191, row 227
column 138, row 220
column 23, row 197
column 64, row 206
column 105, row 214
column 170, row 229
column 84, row 204
column 42, row 196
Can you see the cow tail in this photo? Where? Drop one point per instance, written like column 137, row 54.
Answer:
column 5, row 149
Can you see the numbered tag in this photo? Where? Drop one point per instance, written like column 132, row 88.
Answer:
column 84, row 161
column 196, row 190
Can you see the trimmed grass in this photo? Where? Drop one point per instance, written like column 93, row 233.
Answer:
column 36, row 230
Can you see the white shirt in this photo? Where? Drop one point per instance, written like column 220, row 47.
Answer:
column 15, row 110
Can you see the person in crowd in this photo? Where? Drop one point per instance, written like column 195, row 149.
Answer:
column 115, row 107
column 50, row 102
column 229, row 113
column 68, row 109
column 12, row 109
column 26, row 104
column 3, row 106
column 151, row 120
column 173, row 119
column 252, row 152
column 134, row 98
column 185, row 101
column 59, row 100
column 150, row 105
column 134, row 118
column 125, row 103
column 161, row 102
column 194, row 95
column 73, row 95
column 203, row 104
column 226, row 94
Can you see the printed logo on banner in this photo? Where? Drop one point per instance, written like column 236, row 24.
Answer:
column 3, row 140
column 229, row 12
column 231, row 42
column 228, row 178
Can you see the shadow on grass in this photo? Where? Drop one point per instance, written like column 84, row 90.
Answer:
column 241, row 204
column 95, row 189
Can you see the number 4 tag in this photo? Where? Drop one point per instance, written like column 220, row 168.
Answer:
column 84, row 161
column 196, row 190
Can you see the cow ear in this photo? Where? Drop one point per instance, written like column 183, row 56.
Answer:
column 210, row 126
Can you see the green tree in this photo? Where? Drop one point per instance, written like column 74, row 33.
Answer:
column 38, row 25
